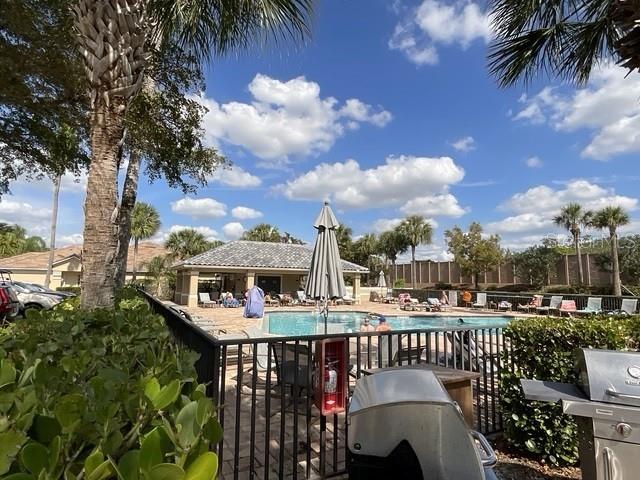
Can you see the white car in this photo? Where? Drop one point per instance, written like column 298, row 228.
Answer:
column 33, row 299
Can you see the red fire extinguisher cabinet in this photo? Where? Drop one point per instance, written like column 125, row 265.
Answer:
column 330, row 379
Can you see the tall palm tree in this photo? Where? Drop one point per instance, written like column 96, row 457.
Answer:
column 263, row 232
column 158, row 268
column 564, row 38
column 393, row 243
column 418, row 231
column 611, row 218
column 145, row 223
column 116, row 41
column 345, row 242
column 573, row 217
column 186, row 243
column 52, row 229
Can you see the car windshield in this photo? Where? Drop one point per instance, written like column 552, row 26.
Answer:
column 36, row 288
column 19, row 288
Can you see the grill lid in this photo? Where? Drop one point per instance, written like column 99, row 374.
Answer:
column 609, row 376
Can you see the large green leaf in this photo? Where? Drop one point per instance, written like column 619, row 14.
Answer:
column 129, row 465
column 152, row 388
column 102, row 471
column 152, row 449
column 205, row 407
column 54, row 452
column 213, row 431
column 45, row 429
column 69, row 409
column 92, row 462
column 19, row 476
column 166, row 471
column 10, row 443
column 7, row 373
column 35, row 457
column 189, row 428
column 204, row 467
column 167, row 395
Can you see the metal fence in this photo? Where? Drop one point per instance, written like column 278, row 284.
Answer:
column 609, row 302
column 263, row 390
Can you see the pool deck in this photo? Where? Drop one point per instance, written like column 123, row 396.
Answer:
column 232, row 321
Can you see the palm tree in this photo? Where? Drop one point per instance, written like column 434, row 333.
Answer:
column 116, row 44
column 263, row 232
column 564, row 38
column 573, row 217
column 391, row 244
column 186, row 243
column 345, row 242
column 158, row 268
column 611, row 218
column 418, row 231
column 145, row 223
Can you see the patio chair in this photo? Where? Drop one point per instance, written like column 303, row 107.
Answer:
column 503, row 305
column 262, row 348
column 348, row 299
column 471, row 352
column 534, row 303
column 397, row 355
column 271, row 302
column 568, row 307
column 481, row 300
column 554, row 305
column 405, row 302
column 629, row 306
column 298, row 375
column 453, row 298
column 594, row 306
column 303, row 300
column 205, row 300
column 435, row 304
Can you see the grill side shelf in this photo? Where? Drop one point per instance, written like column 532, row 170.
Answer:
column 551, row 392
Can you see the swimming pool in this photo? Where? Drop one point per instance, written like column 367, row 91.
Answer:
column 307, row 323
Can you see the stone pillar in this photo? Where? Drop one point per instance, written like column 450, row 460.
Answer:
column 449, row 272
column 439, row 272
column 429, row 271
column 251, row 280
column 356, row 288
column 566, row 270
column 588, row 269
column 177, row 296
column 190, row 288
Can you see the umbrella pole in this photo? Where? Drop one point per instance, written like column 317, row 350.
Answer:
column 326, row 314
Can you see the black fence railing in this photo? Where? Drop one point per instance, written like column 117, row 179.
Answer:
column 263, row 390
column 609, row 302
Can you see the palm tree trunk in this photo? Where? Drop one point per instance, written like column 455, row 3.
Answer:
column 413, row 266
column 576, row 242
column 475, row 281
column 101, row 206
column 135, row 259
column 128, row 201
column 52, row 233
column 617, row 287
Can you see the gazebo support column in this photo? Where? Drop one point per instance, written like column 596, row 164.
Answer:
column 177, row 296
column 190, row 288
column 251, row 280
column 356, row 288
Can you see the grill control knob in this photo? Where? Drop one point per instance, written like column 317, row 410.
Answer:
column 624, row 429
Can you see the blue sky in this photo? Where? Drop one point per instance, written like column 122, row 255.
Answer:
column 389, row 110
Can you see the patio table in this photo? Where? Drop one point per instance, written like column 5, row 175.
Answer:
column 458, row 383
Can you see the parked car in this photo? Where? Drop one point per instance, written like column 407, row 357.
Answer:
column 32, row 299
column 37, row 288
column 9, row 303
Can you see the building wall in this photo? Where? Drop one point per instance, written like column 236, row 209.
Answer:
column 566, row 273
column 59, row 278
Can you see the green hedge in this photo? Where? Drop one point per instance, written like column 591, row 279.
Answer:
column 100, row 395
column 542, row 349
column 72, row 289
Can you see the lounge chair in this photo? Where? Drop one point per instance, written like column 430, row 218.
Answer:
column 554, row 305
column 271, row 302
column 472, row 353
column 435, row 304
column 568, row 307
column 405, row 302
column 303, row 300
column 481, row 301
column 348, row 299
column 594, row 305
column 534, row 303
column 453, row 298
column 629, row 306
column 205, row 300
column 504, row 305
column 262, row 348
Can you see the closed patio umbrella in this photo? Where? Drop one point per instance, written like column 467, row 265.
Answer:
column 382, row 281
column 325, row 280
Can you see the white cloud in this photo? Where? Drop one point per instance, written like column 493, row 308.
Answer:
column 286, row 119
column 435, row 22
column 233, row 230
column 546, row 200
column 72, row 239
column 199, row 207
column 533, row 162
column 69, row 183
column 245, row 213
column 385, row 224
column 435, row 252
column 209, row 233
column 396, row 182
column 464, row 144
column 235, row 176
column 609, row 106
column 434, row 205
column 525, row 222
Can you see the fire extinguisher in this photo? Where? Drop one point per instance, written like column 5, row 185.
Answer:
column 330, row 384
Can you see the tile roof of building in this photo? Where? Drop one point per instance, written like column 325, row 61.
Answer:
column 242, row 253
column 38, row 260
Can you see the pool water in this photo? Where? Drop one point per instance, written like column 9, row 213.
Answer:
column 308, row 323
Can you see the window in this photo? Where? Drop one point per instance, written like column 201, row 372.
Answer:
column 270, row 285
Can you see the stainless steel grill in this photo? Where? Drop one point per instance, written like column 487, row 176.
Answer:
column 403, row 424
column 606, row 403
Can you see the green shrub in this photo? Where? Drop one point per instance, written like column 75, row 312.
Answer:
column 443, row 286
column 72, row 289
column 399, row 283
column 542, row 349
column 99, row 395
